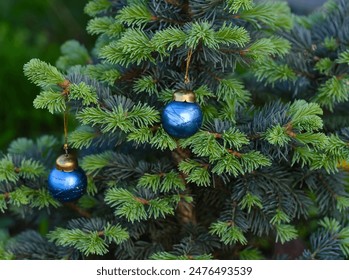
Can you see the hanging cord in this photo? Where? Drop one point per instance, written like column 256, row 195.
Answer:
column 65, row 121
column 65, row 124
column 186, row 77
column 65, row 91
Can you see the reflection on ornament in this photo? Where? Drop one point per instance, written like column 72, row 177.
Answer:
column 182, row 117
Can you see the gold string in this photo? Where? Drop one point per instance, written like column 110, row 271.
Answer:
column 65, row 121
column 186, row 77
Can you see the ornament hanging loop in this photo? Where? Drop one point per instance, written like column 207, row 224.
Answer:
column 65, row 148
column 186, row 77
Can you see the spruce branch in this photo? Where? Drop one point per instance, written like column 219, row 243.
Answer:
column 89, row 242
column 232, row 36
column 26, row 168
column 143, row 115
column 104, row 25
column 225, row 159
column 229, row 164
column 135, row 208
column 51, row 100
column 308, row 138
column 163, row 182
column 8, row 170
column 200, row 33
column 195, row 172
column 167, row 39
column 163, row 141
column 305, row 116
column 202, row 94
column 162, row 207
column 324, row 66
column 343, row 57
column 3, row 202
column 278, row 135
column 73, row 53
column 30, row 244
column 285, row 232
column 87, row 94
column 105, row 72
column 21, row 196
column 232, row 89
column 342, row 203
column 280, row 217
column 119, row 117
column 333, row 91
column 20, row 146
column 113, row 167
column 271, row 72
column 265, row 47
column 253, row 160
column 137, row 14
column 250, row 201
column 41, row 198
column 235, row 5
column 203, row 144
column 228, row 233
column 95, row 7
column 18, row 197
column 204, row 33
column 251, row 254
column 146, row 84
column 141, row 135
column 169, row 256
column 330, row 241
column 82, row 137
column 275, row 15
column 232, row 137
column 42, row 74
column 133, row 47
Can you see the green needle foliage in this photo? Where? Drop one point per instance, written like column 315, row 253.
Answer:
column 89, row 241
column 266, row 167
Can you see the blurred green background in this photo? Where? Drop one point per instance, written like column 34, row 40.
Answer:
column 38, row 28
column 29, row 29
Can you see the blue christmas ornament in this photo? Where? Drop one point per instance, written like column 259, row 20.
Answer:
column 182, row 117
column 67, row 182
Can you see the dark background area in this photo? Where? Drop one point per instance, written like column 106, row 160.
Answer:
column 32, row 29
column 37, row 29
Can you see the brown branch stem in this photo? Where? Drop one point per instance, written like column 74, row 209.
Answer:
column 79, row 210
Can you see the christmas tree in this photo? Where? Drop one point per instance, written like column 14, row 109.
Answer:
column 248, row 159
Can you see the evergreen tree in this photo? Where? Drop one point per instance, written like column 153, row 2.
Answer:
column 264, row 169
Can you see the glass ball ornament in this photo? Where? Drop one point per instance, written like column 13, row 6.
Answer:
column 67, row 181
column 182, row 117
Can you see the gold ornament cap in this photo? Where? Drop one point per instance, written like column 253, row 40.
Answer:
column 184, row 96
column 66, row 163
